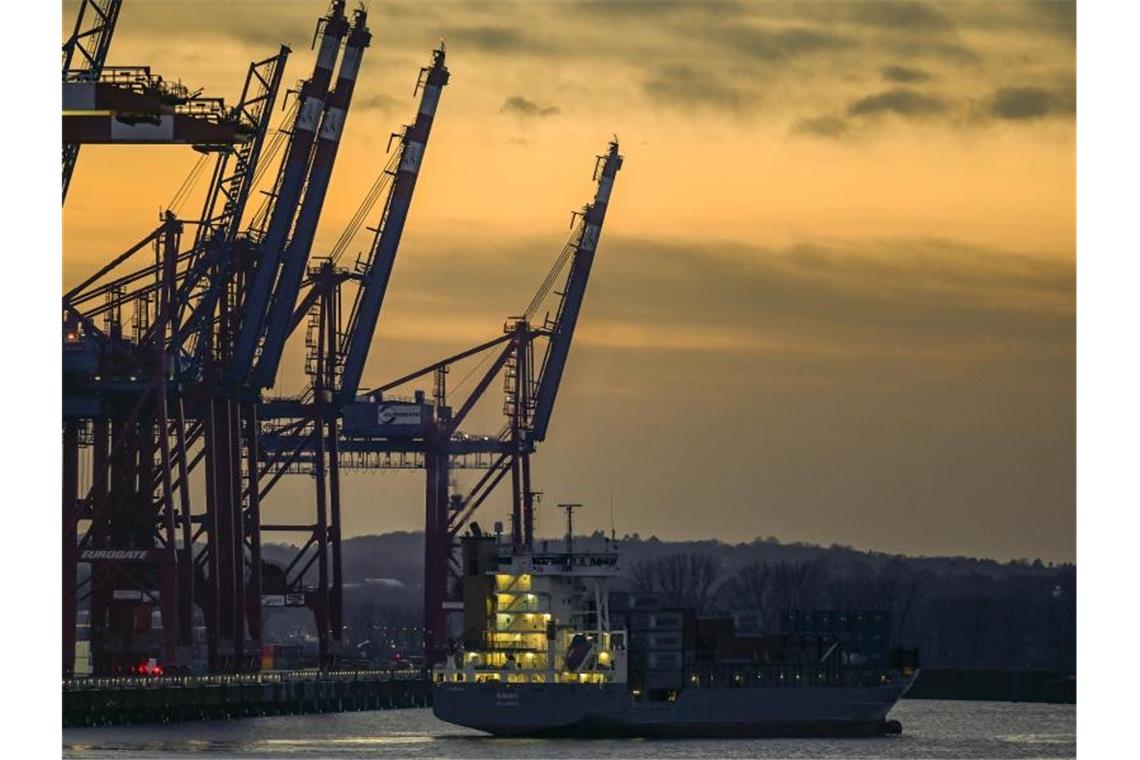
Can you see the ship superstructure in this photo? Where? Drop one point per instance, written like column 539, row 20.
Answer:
column 536, row 617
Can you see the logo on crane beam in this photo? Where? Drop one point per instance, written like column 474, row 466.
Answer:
column 399, row 414
column 117, row 555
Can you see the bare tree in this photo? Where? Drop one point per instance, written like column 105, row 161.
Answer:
column 684, row 579
column 800, row 585
column 748, row 589
column 897, row 590
column 643, row 576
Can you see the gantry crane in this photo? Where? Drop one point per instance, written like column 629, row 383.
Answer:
column 215, row 297
column 126, row 406
column 165, row 389
column 312, row 424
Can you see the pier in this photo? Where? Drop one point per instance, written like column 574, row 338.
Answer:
column 136, row 699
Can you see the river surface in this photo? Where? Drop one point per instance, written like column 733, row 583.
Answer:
column 931, row 729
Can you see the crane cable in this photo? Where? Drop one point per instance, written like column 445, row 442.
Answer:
column 366, row 206
column 552, row 275
column 486, row 358
column 266, row 160
column 275, row 143
column 382, row 180
column 187, row 185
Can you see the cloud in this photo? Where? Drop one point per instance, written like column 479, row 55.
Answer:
column 1028, row 103
column 904, row 74
column 685, row 87
column 782, row 44
column 379, row 102
column 1060, row 16
column 500, row 40
column 931, row 300
column 822, row 126
column 900, row 15
column 658, row 8
column 520, row 106
column 1011, row 104
column 931, row 46
column 1053, row 18
column 902, row 101
column 726, row 57
column 903, row 292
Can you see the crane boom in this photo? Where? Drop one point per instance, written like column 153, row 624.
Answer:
column 562, row 331
column 382, row 255
column 84, row 55
column 324, row 156
column 294, row 168
column 226, row 199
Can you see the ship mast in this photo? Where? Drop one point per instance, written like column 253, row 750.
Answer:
column 569, row 525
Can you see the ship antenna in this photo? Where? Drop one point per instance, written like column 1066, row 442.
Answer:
column 569, row 525
column 613, row 531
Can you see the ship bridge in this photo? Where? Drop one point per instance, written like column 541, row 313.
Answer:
column 586, row 564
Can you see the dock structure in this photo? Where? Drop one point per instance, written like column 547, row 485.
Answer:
column 116, row 700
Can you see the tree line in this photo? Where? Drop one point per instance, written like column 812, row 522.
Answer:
column 967, row 619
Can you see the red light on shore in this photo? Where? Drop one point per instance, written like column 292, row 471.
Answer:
column 147, row 669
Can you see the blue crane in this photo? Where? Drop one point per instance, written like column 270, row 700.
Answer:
column 562, row 328
column 377, row 268
column 297, row 253
column 291, row 181
column 321, row 300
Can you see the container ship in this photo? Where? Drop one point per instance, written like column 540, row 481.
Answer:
column 549, row 650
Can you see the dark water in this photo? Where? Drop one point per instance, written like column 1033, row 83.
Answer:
column 930, row 730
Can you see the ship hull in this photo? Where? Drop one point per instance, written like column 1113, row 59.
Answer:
column 608, row 711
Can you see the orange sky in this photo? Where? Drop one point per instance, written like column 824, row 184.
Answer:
column 834, row 299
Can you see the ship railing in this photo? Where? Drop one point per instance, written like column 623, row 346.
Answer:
column 513, row 584
column 517, row 625
column 536, row 661
column 505, row 641
column 788, row 675
column 520, row 604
